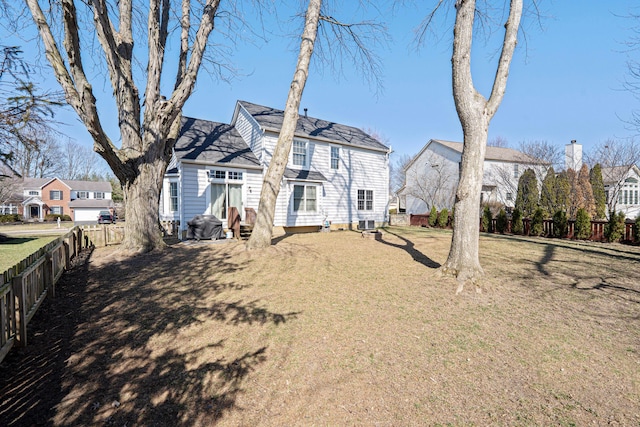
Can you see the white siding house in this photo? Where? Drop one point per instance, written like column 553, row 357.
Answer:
column 433, row 174
column 622, row 189
column 335, row 173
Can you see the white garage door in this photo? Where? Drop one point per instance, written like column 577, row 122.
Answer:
column 86, row 214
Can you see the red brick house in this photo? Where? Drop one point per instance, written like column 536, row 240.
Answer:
column 81, row 200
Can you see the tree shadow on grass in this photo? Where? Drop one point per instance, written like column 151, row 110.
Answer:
column 410, row 248
column 143, row 345
column 9, row 240
column 546, row 259
column 31, row 377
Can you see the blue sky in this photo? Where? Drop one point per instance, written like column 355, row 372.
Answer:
column 565, row 82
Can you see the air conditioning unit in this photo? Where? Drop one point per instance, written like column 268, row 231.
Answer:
column 368, row 224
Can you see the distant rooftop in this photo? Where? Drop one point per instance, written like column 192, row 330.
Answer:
column 494, row 153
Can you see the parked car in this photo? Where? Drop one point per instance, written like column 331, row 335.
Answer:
column 105, row 217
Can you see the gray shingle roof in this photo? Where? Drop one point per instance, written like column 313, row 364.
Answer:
column 213, row 142
column 494, row 153
column 34, row 183
column 103, row 186
column 37, row 183
column 271, row 118
column 91, row 203
column 613, row 175
column 303, row 175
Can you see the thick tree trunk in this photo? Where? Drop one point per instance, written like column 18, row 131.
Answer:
column 263, row 229
column 142, row 196
column 463, row 260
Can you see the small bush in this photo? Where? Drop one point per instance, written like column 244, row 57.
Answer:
column 10, row 218
column 443, row 218
column 537, row 227
column 636, row 230
column 501, row 222
column 453, row 212
column 516, row 222
column 487, row 220
column 582, row 228
column 393, row 211
column 433, row 216
column 560, row 224
column 614, row 230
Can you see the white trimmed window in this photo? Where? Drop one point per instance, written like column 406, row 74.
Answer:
column 55, row 195
column 173, row 196
column 365, row 200
column 34, row 193
column 305, row 198
column 234, row 176
column 56, row 210
column 516, row 171
column 335, row 157
column 98, row 195
column 82, row 194
column 300, row 153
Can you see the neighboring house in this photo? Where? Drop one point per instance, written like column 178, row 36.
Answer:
column 10, row 196
column 81, row 200
column 433, row 174
column 335, row 173
column 622, row 189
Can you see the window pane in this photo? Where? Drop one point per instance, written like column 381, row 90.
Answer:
column 299, row 153
column 311, row 198
column 235, row 196
column 173, row 196
column 218, row 202
column 236, row 176
column 298, row 196
column 335, row 157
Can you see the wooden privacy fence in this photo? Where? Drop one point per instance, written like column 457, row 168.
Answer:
column 597, row 227
column 113, row 234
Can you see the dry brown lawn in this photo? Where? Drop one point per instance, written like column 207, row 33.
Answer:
column 331, row 329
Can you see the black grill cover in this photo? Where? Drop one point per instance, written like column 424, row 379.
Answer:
column 205, row 227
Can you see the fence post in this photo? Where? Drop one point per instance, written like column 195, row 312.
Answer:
column 67, row 258
column 48, row 274
column 21, row 314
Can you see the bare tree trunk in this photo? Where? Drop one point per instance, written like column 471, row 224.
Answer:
column 263, row 230
column 475, row 113
column 463, row 260
column 141, row 195
column 147, row 137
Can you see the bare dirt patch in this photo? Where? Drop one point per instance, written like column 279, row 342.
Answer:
column 334, row 329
